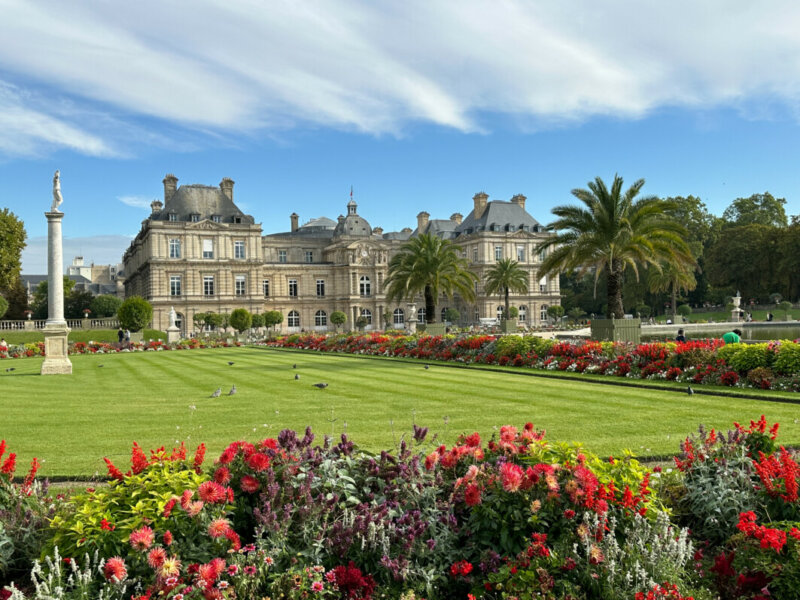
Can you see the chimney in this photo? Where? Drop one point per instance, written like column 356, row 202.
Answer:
column 156, row 206
column 422, row 222
column 405, row 230
column 457, row 217
column 480, row 203
column 519, row 200
column 170, row 185
column 226, row 185
column 377, row 230
column 294, row 217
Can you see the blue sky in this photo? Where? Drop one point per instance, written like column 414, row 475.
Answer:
column 417, row 105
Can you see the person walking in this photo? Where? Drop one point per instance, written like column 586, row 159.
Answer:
column 680, row 337
column 128, row 337
column 120, row 335
column 3, row 345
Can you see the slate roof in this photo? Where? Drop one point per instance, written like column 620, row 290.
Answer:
column 204, row 200
column 499, row 216
column 443, row 228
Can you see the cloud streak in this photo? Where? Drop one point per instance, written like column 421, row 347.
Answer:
column 136, row 201
column 236, row 66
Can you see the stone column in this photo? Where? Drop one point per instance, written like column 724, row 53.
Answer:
column 55, row 330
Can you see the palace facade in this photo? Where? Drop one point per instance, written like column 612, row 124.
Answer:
column 197, row 252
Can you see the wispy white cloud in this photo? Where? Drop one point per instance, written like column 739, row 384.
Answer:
column 100, row 250
column 136, row 201
column 247, row 68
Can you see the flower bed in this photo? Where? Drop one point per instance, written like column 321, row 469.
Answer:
column 512, row 517
column 37, row 348
column 773, row 365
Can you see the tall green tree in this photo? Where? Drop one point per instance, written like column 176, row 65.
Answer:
column 747, row 259
column 12, row 243
column 506, row 276
column 611, row 232
column 39, row 302
column 105, row 305
column 758, row 209
column 135, row 313
column 431, row 266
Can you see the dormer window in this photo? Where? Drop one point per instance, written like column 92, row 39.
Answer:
column 173, row 216
column 195, row 217
column 216, row 218
column 237, row 219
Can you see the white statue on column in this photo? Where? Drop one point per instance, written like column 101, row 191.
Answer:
column 57, row 198
column 173, row 316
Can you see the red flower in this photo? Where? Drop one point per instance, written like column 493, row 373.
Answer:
column 142, row 538
column 113, row 471
column 106, row 526
column 472, row 495
column 156, row 557
column 114, row 569
column 9, row 466
column 258, row 462
column 222, row 475
column 169, row 506
column 569, row 513
column 139, row 460
column 212, row 492
column 511, row 476
column 249, row 484
column 199, row 457
column 462, row 568
column 167, row 538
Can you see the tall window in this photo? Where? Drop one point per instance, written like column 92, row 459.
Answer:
column 320, row 287
column 543, row 284
column 174, row 285
column 216, row 218
column 293, row 319
column 208, row 285
column 523, row 313
column 174, row 248
column 444, row 312
column 240, row 285
column 498, row 253
column 208, row 248
column 281, row 256
column 475, row 254
column 293, row 287
column 195, row 217
column 238, row 249
column 309, row 256
column 543, row 313
column 265, row 287
column 365, row 286
column 542, row 255
column 173, row 217
column 399, row 316
column 421, row 315
column 520, row 253
column 367, row 314
column 500, row 310
column 321, row 319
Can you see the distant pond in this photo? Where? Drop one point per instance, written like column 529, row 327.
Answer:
column 750, row 331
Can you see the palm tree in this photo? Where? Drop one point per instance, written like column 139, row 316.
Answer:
column 612, row 232
column 506, row 275
column 673, row 278
column 430, row 265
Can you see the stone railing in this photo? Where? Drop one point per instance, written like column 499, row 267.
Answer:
column 37, row 324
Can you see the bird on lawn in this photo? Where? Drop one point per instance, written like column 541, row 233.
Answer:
column 297, row 376
column 230, row 362
column 427, row 367
column 690, row 391
column 217, row 393
column 233, row 390
column 99, row 366
column 294, row 366
column 10, row 369
column 321, row 386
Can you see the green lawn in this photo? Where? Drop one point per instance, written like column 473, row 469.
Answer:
column 76, row 335
column 71, row 422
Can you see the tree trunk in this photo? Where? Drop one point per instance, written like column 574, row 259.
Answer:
column 614, row 290
column 430, row 306
column 506, row 316
column 674, row 304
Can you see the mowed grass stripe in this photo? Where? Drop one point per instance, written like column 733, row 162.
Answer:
column 159, row 398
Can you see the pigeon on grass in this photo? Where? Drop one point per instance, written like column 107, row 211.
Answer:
column 321, row 386
column 217, row 393
column 297, row 376
column 233, row 390
column 230, row 362
column 690, row 391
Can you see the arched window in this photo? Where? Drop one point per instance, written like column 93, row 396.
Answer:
column 421, row 315
column 523, row 313
column 321, row 319
column 367, row 314
column 399, row 316
column 444, row 311
column 365, row 286
column 543, row 313
column 500, row 310
column 179, row 321
column 294, row 319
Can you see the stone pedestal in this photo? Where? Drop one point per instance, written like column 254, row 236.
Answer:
column 30, row 325
column 56, row 361
column 173, row 334
column 56, row 332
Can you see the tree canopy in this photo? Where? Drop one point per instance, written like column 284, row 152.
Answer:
column 135, row 313
column 504, row 276
column 429, row 265
column 612, row 232
column 241, row 319
column 758, row 209
column 12, row 243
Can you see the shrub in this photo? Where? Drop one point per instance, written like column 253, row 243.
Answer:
column 105, row 305
column 241, row 319
column 338, row 318
column 135, row 313
column 760, row 377
column 272, row 318
column 258, row 320
column 729, row 378
column 3, row 306
column 751, row 356
column 787, row 358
